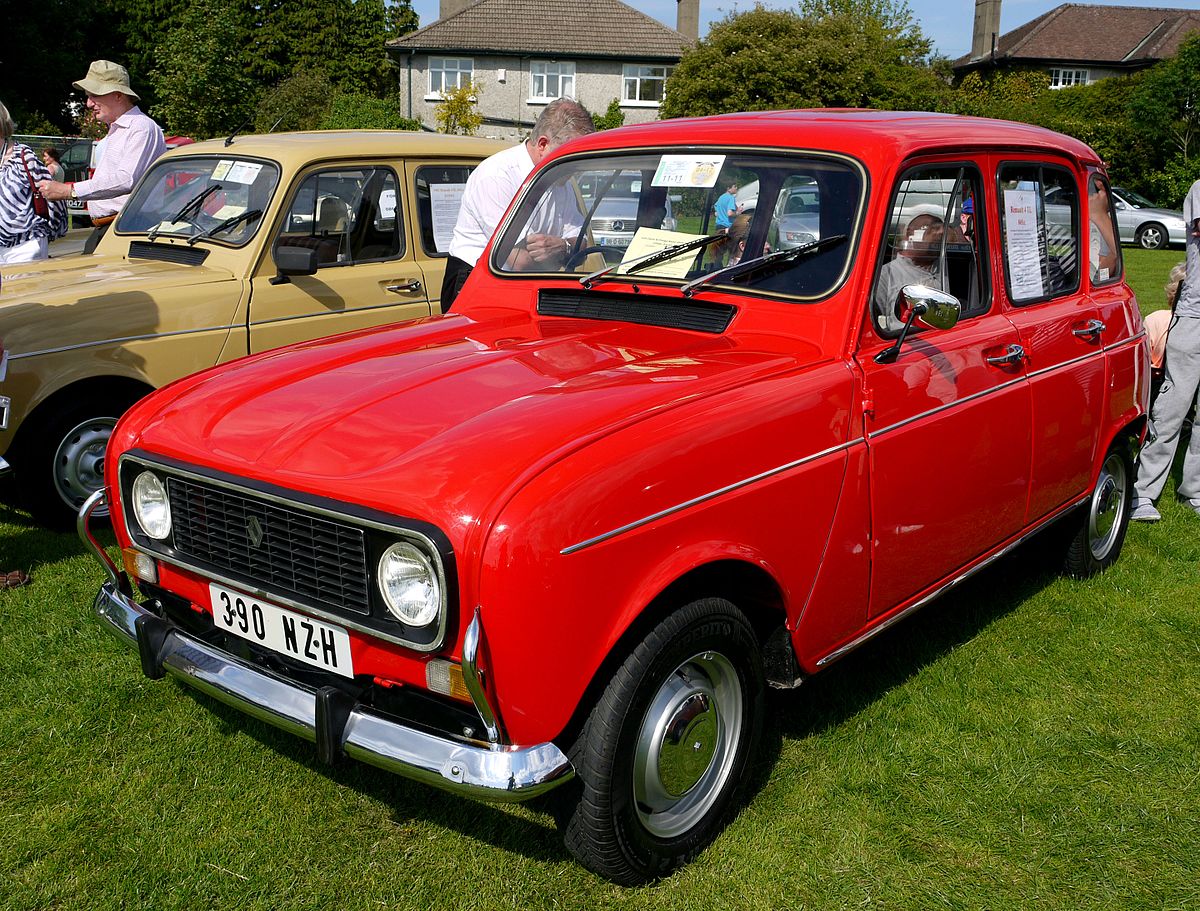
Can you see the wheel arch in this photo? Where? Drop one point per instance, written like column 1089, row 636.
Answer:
column 749, row 587
column 119, row 388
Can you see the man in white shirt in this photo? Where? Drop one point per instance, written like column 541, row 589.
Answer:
column 491, row 188
column 132, row 143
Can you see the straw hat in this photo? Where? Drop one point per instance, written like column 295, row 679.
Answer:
column 104, row 76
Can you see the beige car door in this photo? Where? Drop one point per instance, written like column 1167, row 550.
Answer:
column 352, row 217
column 437, row 188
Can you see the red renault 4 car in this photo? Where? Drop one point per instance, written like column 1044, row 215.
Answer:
column 562, row 537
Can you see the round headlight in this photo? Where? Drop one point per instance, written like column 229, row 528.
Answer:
column 150, row 505
column 409, row 585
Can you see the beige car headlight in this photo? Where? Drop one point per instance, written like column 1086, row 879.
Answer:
column 409, row 584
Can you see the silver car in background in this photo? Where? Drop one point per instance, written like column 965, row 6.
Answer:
column 1141, row 222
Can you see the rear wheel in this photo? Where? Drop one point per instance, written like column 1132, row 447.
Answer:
column 1099, row 526
column 1151, row 236
column 662, row 755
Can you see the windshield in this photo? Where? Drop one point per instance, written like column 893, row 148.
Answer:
column 583, row 216
column 1136, row 199
column 190, row 197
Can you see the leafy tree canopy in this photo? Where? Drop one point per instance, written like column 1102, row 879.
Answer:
column 829, row 53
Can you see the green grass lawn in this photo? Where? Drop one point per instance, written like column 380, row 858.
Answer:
column 1026, row 742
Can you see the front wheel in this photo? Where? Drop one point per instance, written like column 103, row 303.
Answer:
column 63, row 464
column 1100, row 524
column 662, row 755
column 1151, row 236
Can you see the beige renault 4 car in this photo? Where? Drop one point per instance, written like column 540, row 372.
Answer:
column 224, row 249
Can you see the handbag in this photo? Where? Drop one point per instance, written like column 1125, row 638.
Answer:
column 41, row 205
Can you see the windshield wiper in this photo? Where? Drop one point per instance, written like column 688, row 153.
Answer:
column 186, row 211
column 231, row 222
column 759, row 262
column 651, row 259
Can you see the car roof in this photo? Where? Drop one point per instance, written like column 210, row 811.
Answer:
column 300, row 148
column 864, row 133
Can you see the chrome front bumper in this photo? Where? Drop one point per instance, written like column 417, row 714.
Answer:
column 326, row 717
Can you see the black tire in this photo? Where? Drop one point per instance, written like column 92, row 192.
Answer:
column 1098, row 527
column 1151, row 236
column 61, row 463
column 663, row 754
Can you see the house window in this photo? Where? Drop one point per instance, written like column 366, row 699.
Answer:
column 549, row 80
column 644, row 83
column 449, row 73
column 1060, row 78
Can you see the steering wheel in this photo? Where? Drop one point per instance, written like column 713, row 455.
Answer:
column 610, row 254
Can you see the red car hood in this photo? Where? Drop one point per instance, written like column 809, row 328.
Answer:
column 437, row 419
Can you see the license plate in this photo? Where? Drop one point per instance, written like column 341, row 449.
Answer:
column 614, row 241
column 287, row 632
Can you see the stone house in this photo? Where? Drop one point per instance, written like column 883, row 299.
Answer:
column 1078, row 43
column 522, row 54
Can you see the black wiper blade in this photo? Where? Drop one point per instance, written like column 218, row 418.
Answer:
column 651, row 259
column 186, row 210
column 760, row 262
column 231, row 222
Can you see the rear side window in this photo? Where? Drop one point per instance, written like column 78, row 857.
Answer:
column 933, row 239
column 1039, row 226
column 1104, row 248
column 439, row 197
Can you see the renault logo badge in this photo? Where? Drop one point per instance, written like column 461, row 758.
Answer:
column 255, row 531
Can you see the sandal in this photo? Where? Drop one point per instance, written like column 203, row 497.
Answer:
column 14, row 579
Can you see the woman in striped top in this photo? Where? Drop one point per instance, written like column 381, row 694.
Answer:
column 24, row 235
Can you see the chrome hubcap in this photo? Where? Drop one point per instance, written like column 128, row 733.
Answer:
column 79, row 461
column 1108, row 504
column 687, row 744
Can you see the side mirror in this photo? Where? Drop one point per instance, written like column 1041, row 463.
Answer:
column 291, row 261
column 935, row 309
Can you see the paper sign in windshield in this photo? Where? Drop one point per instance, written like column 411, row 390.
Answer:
column 650, row 240
column 1021, row 244
column 688, row 170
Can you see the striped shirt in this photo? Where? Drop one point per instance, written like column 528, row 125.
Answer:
column 18, row 223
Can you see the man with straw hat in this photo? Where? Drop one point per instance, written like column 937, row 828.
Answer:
column 132, row 143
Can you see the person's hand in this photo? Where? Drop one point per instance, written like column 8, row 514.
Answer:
column 53, row 190
column 543, row 248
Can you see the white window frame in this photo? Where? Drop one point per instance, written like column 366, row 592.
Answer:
column 633, row 75
column 542, row 73
column 444, row 67
column 1064, row 77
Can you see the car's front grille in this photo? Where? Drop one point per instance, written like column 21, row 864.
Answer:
column 275, row 546
column 169, row 253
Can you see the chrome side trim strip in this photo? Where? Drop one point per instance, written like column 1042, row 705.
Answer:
column 670, row 510
column 1125, row 342
column 1098, row 353
column 493, row 773
column 945, row 587
column 940, row 408
column 120, row 341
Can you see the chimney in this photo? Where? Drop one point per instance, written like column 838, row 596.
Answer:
column 687, row 18
column 448, row 8
column 987, row 28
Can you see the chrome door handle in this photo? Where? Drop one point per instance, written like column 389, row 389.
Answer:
column 1091, row 329
column 1013, row 354
column 412, row 284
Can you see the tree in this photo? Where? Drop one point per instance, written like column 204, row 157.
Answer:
column 611, row 118
column 352, row 111
column 457, row 113
column 300, row 102
column 1166, row 108
column 202, row 85
column 829, row 53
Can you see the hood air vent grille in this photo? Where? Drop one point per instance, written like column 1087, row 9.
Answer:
column 668, row 312
column 167, row 253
